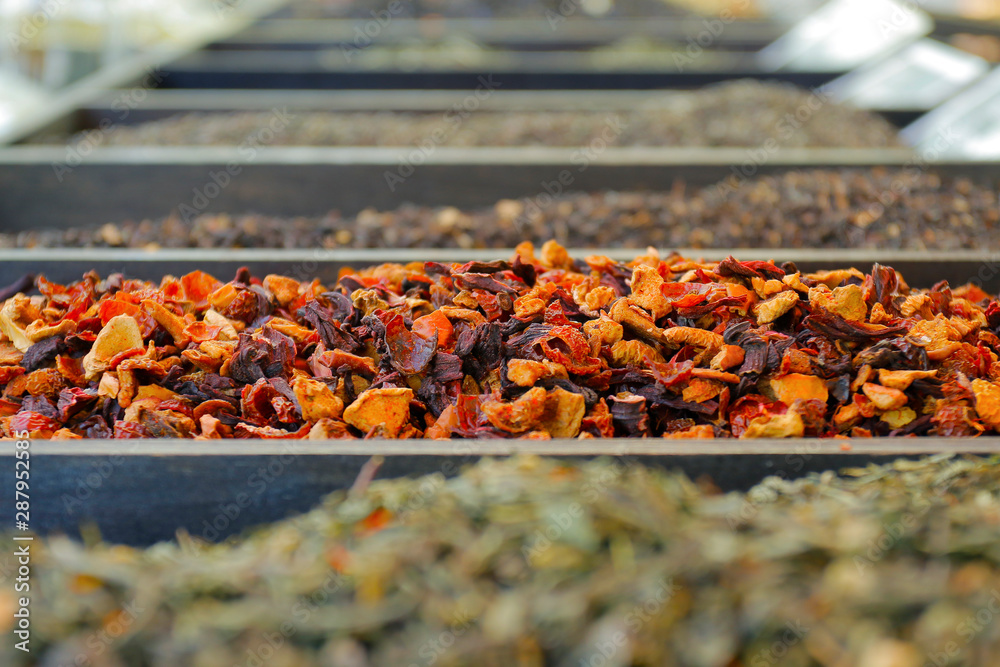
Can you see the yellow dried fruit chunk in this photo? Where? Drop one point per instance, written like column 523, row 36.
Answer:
column 878, row 314
column 902, row 379
column 898, row 418
column 388, row 407
column 563, row 414
column 987, row 402
column 296, row 332
column 633, row 352
column 39, row 330
column 679, row 336
column 884, row 398
column 121, row 333
column 913, row 304
column 847, row 301
column 833, row 278
column 779, row 304
column 789, row 387
column 794, row 280
column 938, row 336
column 636, row 319
column 766, row 288
column 604, row 330
column 10, row 315
column 788, row 425
column 109, row 386
column 316, row 399
column 229, row 327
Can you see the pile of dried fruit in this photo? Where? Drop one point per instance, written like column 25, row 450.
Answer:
column 877, row 208
column 535, row 347
column 532, row 562
column 739, row 113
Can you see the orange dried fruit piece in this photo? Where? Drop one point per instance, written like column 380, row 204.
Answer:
column 525, row 372
column 902, row 379
column 709, row 374
column 789, row 387
column 987, row 402
column 301, row 335
column 283, row 288
column 914, row 304
column 526, row 307
column 847, row 301
column 697, row 432
column 8, row 373
column 647, row 291
column 120, row 334
column 699, row 390
column 728, row 357
column 44, row 382
column 173, row 323
column 387, row 406
column 938, row 336
column 518, row 415
column 592, row 299
column 847, row 415
column 603, row 331
column 554, row 256
column 199, row 332
column 316, row 399
column 435, row 324
column 884, row 398
column 198, row 285
column 10, row 355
